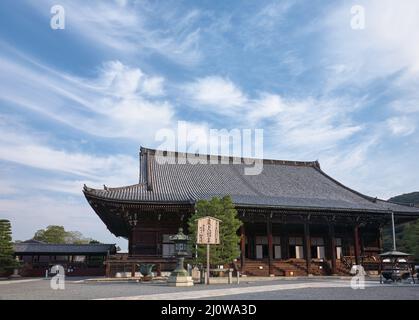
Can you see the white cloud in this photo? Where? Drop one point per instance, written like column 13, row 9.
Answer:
column 307, row 122
column 221, row 94
column 121, row 101
column 408, row 106
column 6, row 188
column 68, row 170
column 272, row 14
column 265, row 107
column 121, row 81
column 315, row 124
column 401, row 126
column 133, row 28
column 384, row 46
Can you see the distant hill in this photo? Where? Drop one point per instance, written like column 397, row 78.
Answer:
column 407, row 235
column 407, row 198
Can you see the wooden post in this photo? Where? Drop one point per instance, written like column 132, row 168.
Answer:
column 380, row 239
column 270, row 245
column 284, row 243
column 133, row 270
column 208, row 263
column 307, row 247
column 108, row 269
column 130, row 242
column 333, row 246
column 393, row 231
column 249, row 245
column 242, row 247
column 356, row 244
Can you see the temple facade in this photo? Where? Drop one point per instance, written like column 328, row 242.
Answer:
column 297, row 220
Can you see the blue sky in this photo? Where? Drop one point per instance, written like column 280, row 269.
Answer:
column 76, row 104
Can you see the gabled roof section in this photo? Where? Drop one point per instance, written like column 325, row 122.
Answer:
column 170, row 177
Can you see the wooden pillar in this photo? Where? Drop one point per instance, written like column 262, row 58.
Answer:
column 284, row 243
column 332, row 246
column 249, row 245
column 242, row 247
column 380, row 239
column 357, row 244
column 307, row 246
column 130, row 242
column 108, row 270
column 270, row 245
column 133, row 265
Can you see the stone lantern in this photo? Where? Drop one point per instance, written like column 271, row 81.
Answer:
column 180, row 277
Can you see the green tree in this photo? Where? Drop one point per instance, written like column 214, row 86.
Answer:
column 407, row 234
column 222, row 209
column 52, row 234
column 7, row 261
column 57, row 234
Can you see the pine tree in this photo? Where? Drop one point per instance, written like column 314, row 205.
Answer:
column 7, row 262
column 228, row 249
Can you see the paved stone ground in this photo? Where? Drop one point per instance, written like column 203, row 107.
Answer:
column 309, row 288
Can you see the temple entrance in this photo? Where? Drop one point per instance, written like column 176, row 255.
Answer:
column 296, row 250
column 277, row 247
column 339, row 251
column 261, row 247
column 317, row 248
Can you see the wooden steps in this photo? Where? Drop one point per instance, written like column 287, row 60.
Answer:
column 257, row 268
column 292, row 267
column 342, row 269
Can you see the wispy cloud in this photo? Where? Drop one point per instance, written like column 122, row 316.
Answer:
column 401, row 126
column 134, row 27
column 26, row 149
column 385, row 45
column 304, row 122
column 121, row 101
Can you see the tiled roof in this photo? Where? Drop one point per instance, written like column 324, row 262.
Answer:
column 48, row 248
column 287, row 184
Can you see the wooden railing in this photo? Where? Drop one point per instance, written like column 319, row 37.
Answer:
column 347, row 261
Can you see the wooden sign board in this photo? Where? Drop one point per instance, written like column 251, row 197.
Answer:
column 208, row 231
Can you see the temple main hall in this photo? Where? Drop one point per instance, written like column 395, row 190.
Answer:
column 297, row 220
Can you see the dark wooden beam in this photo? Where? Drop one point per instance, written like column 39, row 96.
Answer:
column 332, row 246
column 307, row 246
column 284, row 243
column 357, row 245
column 380, row 238
column 133, row 267
column 130, row 243
column 270, row 245
column 243, row 247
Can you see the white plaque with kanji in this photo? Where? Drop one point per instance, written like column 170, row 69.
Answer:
column 208, row 230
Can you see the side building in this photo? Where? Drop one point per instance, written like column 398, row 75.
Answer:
column 297, row 219
column 37, row 257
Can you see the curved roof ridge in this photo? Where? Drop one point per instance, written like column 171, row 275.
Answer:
column 232, row 159
column 369, row 198
column 410, row 205
column 106, row 188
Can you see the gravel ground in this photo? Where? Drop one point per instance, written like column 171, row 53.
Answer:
column 78, row 289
